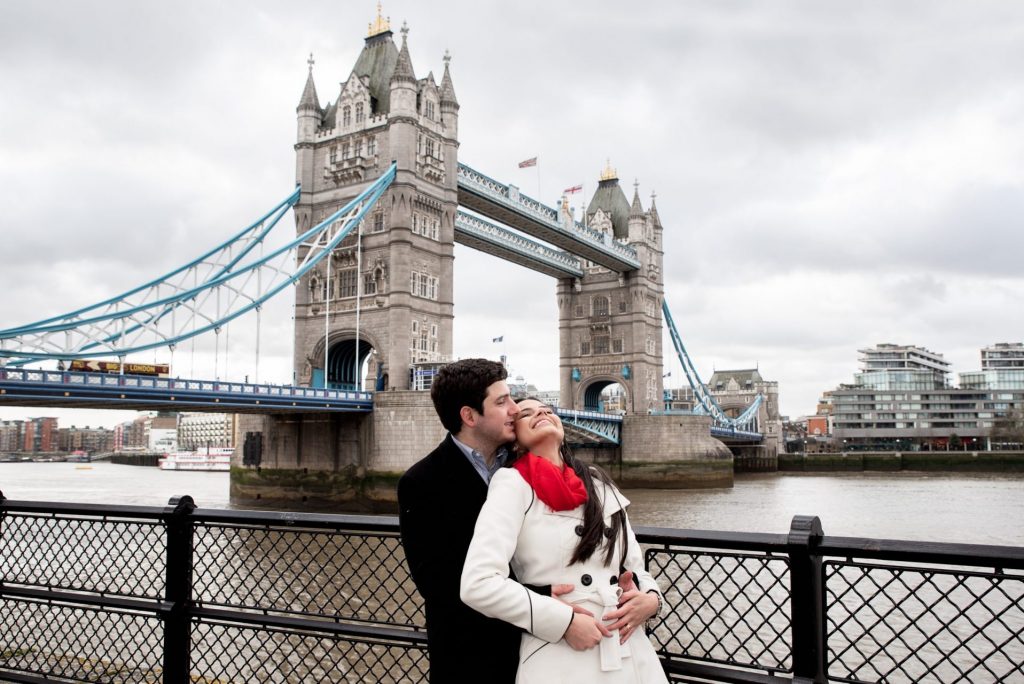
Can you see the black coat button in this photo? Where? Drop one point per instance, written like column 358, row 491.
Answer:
column 579, row 530
column 586, row 580
column 609, row 532
column 613, row 580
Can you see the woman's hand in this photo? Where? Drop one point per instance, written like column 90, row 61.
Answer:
column 585, row 632
column 634, row 610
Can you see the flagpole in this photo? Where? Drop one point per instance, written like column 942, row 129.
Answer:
column 538, row 181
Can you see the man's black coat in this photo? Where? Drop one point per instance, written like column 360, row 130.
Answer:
column 439, row 499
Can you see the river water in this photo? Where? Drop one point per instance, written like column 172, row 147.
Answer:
column 969, row 508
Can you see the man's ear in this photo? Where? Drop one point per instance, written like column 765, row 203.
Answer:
column 468, row 416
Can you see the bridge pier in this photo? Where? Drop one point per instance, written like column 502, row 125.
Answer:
column 673, row 452
column 343, row 461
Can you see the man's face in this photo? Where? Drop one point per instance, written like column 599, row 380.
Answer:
column 496, row 425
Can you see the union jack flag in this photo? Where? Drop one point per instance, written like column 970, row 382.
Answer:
column 532, row 161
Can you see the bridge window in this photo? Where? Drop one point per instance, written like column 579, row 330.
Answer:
column 371, row 147
column 359, row 148
column 346, row 151
column 348, row 280
column 428, row 147
column 334, row 154
column 378, row 221
column 425, row 225
column 423, row 285
column 359, row 112
column 423, row 343
column 429, row 109
column 346, row 115
column 585, row 348
column 600, row 306
column 579, row 311
column 622, row 305
column 600, row 344
column 617, row 346
column 369, row 283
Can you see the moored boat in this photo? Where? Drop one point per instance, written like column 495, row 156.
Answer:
column 209, row 460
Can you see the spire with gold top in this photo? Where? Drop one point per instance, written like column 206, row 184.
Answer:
column 609, row 173
column 379, row 25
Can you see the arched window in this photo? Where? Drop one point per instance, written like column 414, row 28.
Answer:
column 346, row 115
column 600, row 306
column 359, row 112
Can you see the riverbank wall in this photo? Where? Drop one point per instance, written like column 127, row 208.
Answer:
column 888, row 461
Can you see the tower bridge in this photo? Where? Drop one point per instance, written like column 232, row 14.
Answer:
column 381, row 201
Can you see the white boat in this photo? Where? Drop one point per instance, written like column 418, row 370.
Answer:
column 208, row 460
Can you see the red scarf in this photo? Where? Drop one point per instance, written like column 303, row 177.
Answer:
column 562, row 490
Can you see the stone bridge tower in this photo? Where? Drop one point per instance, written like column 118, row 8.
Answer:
column 401, row 282
column 610, row 323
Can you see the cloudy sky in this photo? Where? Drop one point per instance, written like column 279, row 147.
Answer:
column 830, row 174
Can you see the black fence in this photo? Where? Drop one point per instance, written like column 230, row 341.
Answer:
column 92, row 593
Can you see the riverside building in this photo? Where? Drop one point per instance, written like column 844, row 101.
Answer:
column 903, row 400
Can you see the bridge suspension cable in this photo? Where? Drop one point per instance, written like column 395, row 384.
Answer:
column 706, row 403
column 201, row 296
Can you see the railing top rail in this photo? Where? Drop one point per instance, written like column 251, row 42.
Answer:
column 901, row 550
column 92, row 510
column 969, row 555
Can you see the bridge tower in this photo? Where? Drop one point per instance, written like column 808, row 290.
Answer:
column 394, row 295
column 610, row 323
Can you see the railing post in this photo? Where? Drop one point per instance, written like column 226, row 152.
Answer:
column 177, row 624
column 807, row 599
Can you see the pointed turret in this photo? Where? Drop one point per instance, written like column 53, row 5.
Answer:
column 636, row 210
column 655, row 219
column 447, row 89
column 403, row 68
column 310, row 116
column 309, row 98
column 637, row 220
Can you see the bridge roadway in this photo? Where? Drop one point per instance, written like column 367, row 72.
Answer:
column 22, row 387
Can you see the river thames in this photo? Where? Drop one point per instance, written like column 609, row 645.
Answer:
column 969, row 508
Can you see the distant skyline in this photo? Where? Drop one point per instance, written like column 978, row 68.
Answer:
column 830, row 175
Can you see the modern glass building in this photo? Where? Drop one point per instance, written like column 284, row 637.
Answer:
column 902, row 399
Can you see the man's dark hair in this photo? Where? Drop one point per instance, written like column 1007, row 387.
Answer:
column 463, row 383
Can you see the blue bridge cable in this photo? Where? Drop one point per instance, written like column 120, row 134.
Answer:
column 706, row 403
column 274, row 214
column 224, row 276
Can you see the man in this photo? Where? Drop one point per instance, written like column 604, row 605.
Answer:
column 439, row 500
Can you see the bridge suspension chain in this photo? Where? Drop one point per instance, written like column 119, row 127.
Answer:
column 706, row 403
column 201, row 296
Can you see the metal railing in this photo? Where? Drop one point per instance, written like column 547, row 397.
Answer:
column 177, row 594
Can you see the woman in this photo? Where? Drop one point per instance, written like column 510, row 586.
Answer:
column 559, row 521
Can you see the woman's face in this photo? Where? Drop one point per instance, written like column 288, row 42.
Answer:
column 536, row 424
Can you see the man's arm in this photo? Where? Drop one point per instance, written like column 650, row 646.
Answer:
column 416, row 525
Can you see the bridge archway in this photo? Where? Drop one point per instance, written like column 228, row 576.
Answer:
column 595, row 395
column 348, row 362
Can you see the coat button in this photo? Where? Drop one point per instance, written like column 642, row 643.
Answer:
column 609, row 532
column 579, row 530
column 613, row 580
column 586, row 580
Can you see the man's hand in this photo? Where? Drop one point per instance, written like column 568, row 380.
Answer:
column 634, row 609
column 562, row 589
column 584, row 632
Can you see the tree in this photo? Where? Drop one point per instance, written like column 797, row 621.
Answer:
column 955, row 443
column 1008, row 430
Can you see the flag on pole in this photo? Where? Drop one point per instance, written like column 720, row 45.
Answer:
column 573, row 190
column 532, row 161
column 498, row 339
